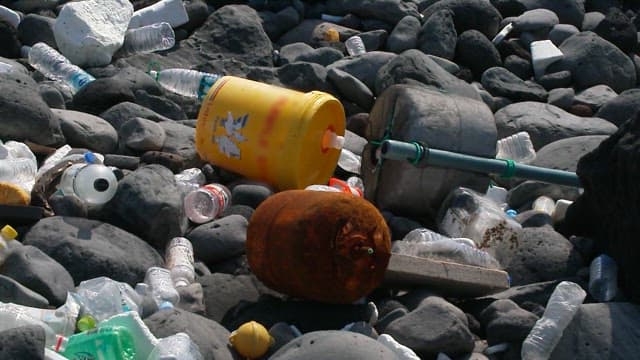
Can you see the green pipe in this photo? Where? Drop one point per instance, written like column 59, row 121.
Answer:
column 421, row 155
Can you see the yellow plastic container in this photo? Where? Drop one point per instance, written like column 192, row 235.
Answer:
column 283, row 137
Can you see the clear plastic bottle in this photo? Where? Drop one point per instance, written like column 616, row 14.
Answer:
column 146, row 39
column 546, row 333
column 18, row 165
column 207, row 203
column 446, row 250
column 55, row 66
column 189, row 180
column 103, row 297
column 603, row 278
column 498, row 195
column 185, row 82
column 93, row 183
column 560, row 210
column 355, row 46
column 517, row 147
column 544, row 204
column 179, row 260
column 161, row 286
column 349, row 161
column 176, row 347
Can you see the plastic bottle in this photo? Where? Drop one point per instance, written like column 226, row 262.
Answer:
column 560, row 210
column 561, row 308
column 10, row 16
column 345, row 187
column 161, row 286
column 544, row 204
column 498, row 195
column 185, row 82
column 103, row 297
column 93, row 183
column 603, row 278
column 55, row 66
column 517, row 147
column 401, row 351
column 108, row 342
column 18, row 165
column 176, row 347
column 355, row 46
column 356, row 182
column 189, row 180
column 179, row 260
column 349, row 161
column 207, row 203
column 150, row 38
column 502, row 34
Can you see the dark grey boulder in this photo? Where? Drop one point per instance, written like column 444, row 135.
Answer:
column 621, row 108
column 180, row 140
column 140, row 135
column 564, row 154
column 277, row 23
column 561, row 97
column 547, row 123
column 304, row 76
column 415, row 67
column 89, row 248
column 160, row 104
column 37, row 271
column 125, row 111
column 595, row 96
column 36, row 28
column 52, row 96
column 476, row 52
column 101, row 94
column 364, row 67
column 536, row 19
column 250, row 194
column 211, row 337
column 224, row 291
column 438, row 35
column 505, row 321
column 501, row 82
column 374, row 40
column 23, row 113
column 404, row 35
column 390, row 11
column 568, row 11
column 591, row 20
column 469, row 14
column 220, row 239
column 518, row 66
column 87, row 131
column 148, row 204
column 559, row 79
column 24, row 342
column 619, row 30
column 586, row 54
column 12, row 291
column 351, row 88
column 561, row 32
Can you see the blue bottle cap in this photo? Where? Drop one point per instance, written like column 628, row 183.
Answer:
column 165, row 305
column 90, row 157
column 511, row 213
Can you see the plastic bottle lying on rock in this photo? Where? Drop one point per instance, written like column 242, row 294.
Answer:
column 189, row 180
column 207, row 203
column 190, row 83
column 355, row 46
column 103, row 297
column 546, row 333
column 55, row 66
column 18, row 168
column 161, row 286
column 176, row 347
column 93, row 183
column 179, row 260
column 146, row 39
column 429, row 244
column 603, row 278
column 517, row 147
column 544, row 204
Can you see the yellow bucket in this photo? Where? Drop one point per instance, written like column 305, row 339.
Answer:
column 283, row 137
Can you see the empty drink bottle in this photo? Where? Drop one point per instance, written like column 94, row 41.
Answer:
column 189, row 180
column 55, row 66
column 207, row 203
column 146, row 39
column 517, row 147
column 18, row 165
column 93, row 183
column 190, row 83
column 176, row 347
column 603, row 278
column 103, row 297
column 355, row 46
column 161, row 286
column 179, row 260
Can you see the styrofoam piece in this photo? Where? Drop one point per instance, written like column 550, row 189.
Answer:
column 543, row 54
column 170, row 11
column 10, row 16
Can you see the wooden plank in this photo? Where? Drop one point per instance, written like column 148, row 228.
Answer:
column 448, row 278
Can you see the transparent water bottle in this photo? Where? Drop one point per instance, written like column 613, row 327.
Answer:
column 103, row 297
column 93, row 183
column 176, row 347
column 18, row 165
column 207, row 203
column 189, row 180
column 517, row 147
column 190, row 83
column 146, row 39
column 603, row 278
column 161, row 286
column 447, row 250
column 544, row 204
column 55, row 66
column 546, row 333
column 355, row 46
column 498, row 195
column 349, row 161
column 179, row 260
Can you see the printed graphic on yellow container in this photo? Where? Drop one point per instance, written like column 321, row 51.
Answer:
column 283, row 137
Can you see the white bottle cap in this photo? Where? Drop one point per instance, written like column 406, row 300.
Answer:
column 331, row 140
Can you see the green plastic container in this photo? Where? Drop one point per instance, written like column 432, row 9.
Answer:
column 109, row 342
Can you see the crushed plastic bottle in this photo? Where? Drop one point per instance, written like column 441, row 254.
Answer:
column 355, row 46
column 161, row 286
column 179, row 260
column 18, row 165
column 91, row 182
column 517, row 147
column 498, row 195
column 207, row 203
column 103, row 297
column 603, row 278
column 190, row 83
column 349, row 161
column 176, row 347
column 55, row 66
column 146, row 39
column 401, row 351
column 546, row 333
column 429, row 244
column 189, row 180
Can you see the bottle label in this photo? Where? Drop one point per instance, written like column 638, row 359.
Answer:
column 206, row 82
column 79, row 80
column 220, row 195
column 179, row 256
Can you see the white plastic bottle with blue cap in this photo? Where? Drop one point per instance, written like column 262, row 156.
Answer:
column 55, row 66
column 176, row 347
column 161, row 286
column 92, row 182
column 179, row 260
column 190, row 83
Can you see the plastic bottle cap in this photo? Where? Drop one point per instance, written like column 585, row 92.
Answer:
column 154, row 74
column 511, row 213
column 181, row 283
column 332, row 140
column 86, row 322
column 165, row 305
column 90, row 158
column 8, row 232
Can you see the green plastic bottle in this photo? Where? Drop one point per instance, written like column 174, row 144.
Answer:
column 109, row 342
